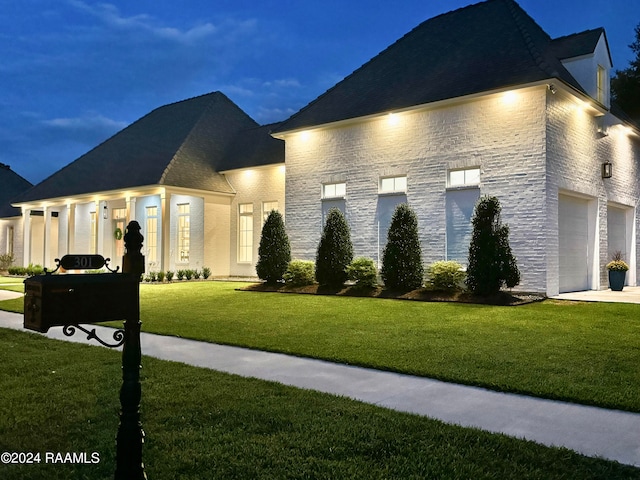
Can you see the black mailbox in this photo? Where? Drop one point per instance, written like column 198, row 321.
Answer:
column 58, row 300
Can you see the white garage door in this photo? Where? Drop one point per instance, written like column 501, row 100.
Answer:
column 573, row 220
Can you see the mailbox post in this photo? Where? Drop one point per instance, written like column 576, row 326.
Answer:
column 67, row 300
column 130, row 436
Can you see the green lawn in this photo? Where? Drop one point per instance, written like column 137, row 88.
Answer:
column 200, row 424
column 7, row 280
column 586, row 353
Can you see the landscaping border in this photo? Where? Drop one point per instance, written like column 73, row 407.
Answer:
column 421, row 294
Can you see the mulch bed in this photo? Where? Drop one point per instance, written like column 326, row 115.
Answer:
column 420, row 295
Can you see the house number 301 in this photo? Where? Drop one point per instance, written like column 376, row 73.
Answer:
column 82, row 262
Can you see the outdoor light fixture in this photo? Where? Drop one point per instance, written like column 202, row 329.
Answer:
column 607, row 170
column 552, row 89
column 105, row 213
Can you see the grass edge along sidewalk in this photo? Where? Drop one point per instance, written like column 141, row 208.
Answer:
column 205, row 424
column 576, row 352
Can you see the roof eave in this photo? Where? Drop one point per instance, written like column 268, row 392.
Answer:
column 138, row 191
column 595, row 108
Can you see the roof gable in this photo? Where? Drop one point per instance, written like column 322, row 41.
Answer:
column 178, row 144
column 485, row 46
column 11, row 185
column 579, row 44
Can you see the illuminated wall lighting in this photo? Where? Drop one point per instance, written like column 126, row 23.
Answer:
column 509, row 98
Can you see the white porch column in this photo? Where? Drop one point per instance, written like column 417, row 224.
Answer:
column 131, row 209
column 165, row 228
column 97, row 220
column 71, row 227
column 101, row 226
column 46, row 239
column 26, row 236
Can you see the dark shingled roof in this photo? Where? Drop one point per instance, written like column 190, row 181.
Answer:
column 482, row 47
column 183, row 144
column 256, row 147
column 578, row 44
column 11, row 185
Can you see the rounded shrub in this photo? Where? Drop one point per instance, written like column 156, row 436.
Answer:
column 335, row 250
column 363, row 272
column 300, row 273
column 402, row 267
column 274, row 253
column 446, row 275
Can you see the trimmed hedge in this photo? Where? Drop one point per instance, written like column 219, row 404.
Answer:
column 363, row 272
column 491, row 263
column 300, row 273
column 402, row 267
column 274, row 253
column 335, row 250
column 446, row 275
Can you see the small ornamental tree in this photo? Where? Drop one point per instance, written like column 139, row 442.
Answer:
column 335, row 250
column 491, row 263
column 274, row 253
column 402, row 267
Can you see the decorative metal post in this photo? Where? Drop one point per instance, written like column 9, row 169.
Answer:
column 130, row 436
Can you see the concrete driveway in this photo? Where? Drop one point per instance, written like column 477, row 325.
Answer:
column 627, row 295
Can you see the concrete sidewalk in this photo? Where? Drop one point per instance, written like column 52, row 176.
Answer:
column 610, row 434
column 8, row 295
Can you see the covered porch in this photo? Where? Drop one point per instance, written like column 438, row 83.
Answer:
column 182, row 228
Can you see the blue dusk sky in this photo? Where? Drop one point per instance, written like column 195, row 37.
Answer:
column 74, row 72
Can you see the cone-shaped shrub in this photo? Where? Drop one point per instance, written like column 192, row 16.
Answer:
column 274, row 253
column 491, row 263
column 402, row 267
column 335, row 250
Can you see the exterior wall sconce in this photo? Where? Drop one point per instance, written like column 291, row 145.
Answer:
column 105, row 212
column 607, row 170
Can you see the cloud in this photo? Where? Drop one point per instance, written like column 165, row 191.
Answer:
column 283, row 83
column 111, row 17
column 85, row 123
column 89, row 129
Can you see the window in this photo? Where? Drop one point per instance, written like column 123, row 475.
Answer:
column 334, row 190
column 184, row 221
column 245, row 232
column 466, row 177
column 459, row 206
column 393, row 184
column 266, row 209
column 151, row 236
column 93, row 247
column 601, row 83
